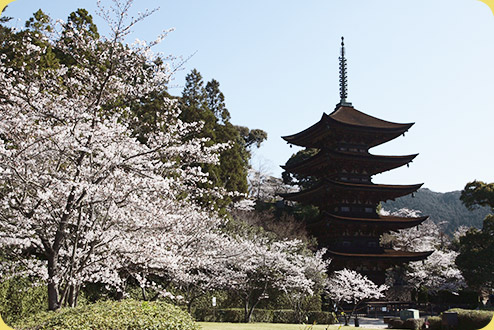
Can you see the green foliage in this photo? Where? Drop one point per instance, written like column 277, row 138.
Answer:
column 476, row 247
column 262, row 315
column 252, row 137
column 395, row 323
column 413, row 324
column 475, row 260
column 472, row 319
column 435, row 323
column 224, row 300
column 478, row 193
column 442, row 208
column 39, row 22
column 236, row 315
column 321, row 317
column 82, row 20
column 20, row 297
column 113, row 315
column 16, row 55
column 146, row 115
column 296, row 179
column 286, row 316
column 207, row 105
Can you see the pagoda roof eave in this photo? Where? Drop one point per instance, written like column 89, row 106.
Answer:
column 392, row 191
column 320, row 157
column 308, row 131
column 388, row 220
column 388, row 254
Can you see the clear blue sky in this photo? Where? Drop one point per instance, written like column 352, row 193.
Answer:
column 425, row 61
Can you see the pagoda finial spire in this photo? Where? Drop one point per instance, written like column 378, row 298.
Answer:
column 343, row 77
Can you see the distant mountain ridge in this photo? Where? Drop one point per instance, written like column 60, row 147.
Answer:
column 441, row 207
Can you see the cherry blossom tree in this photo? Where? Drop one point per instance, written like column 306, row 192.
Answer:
column 348, row 286
column 82, row 200
column 438, row 271
column 264, row 265
column 85, row 198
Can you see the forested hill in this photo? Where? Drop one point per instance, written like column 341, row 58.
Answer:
column 441, row 207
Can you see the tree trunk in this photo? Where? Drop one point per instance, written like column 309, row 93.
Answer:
column 76, row 294
column 53, row 299
column 347, row 318
column 144, row 296
column 71, row 296
column 355, row 305
column 120, row 295
column 250, row 310
column 189, row 304
column 246, row 311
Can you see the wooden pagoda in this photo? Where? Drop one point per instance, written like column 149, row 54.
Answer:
column 349, row 225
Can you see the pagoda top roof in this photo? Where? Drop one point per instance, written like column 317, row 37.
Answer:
column 351, row 116
column 346, row 117
column 326, row 189
column 321, row 160
column 388, row 254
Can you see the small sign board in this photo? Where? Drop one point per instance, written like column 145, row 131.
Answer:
column 213, row 301
column 409, row 314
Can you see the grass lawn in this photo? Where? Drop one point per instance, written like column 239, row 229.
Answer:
column 271, row 326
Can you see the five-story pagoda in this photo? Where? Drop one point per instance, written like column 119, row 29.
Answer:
column 349, row 225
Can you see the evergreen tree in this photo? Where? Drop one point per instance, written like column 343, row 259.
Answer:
column 207, row 105
column 216, row 101
column 303, row 181
column 476, row 247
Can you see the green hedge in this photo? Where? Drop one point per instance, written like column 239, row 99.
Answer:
column 20, row 298
column 113, row 315
column 321, row 317
column 286, row 316
column 435, row 322
column 236, row 315
column 472, row 319
column 395, row 323
column 412, row 324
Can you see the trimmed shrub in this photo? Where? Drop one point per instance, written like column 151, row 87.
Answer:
column 413, row 324
column 472, row 319
column 435, row 323
column 321, row 317
column 202, row 315
column 285, row 316
column 113, row 315
column 262, row 315
column 395, row 323
column 236, row 315
column 20, row 298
